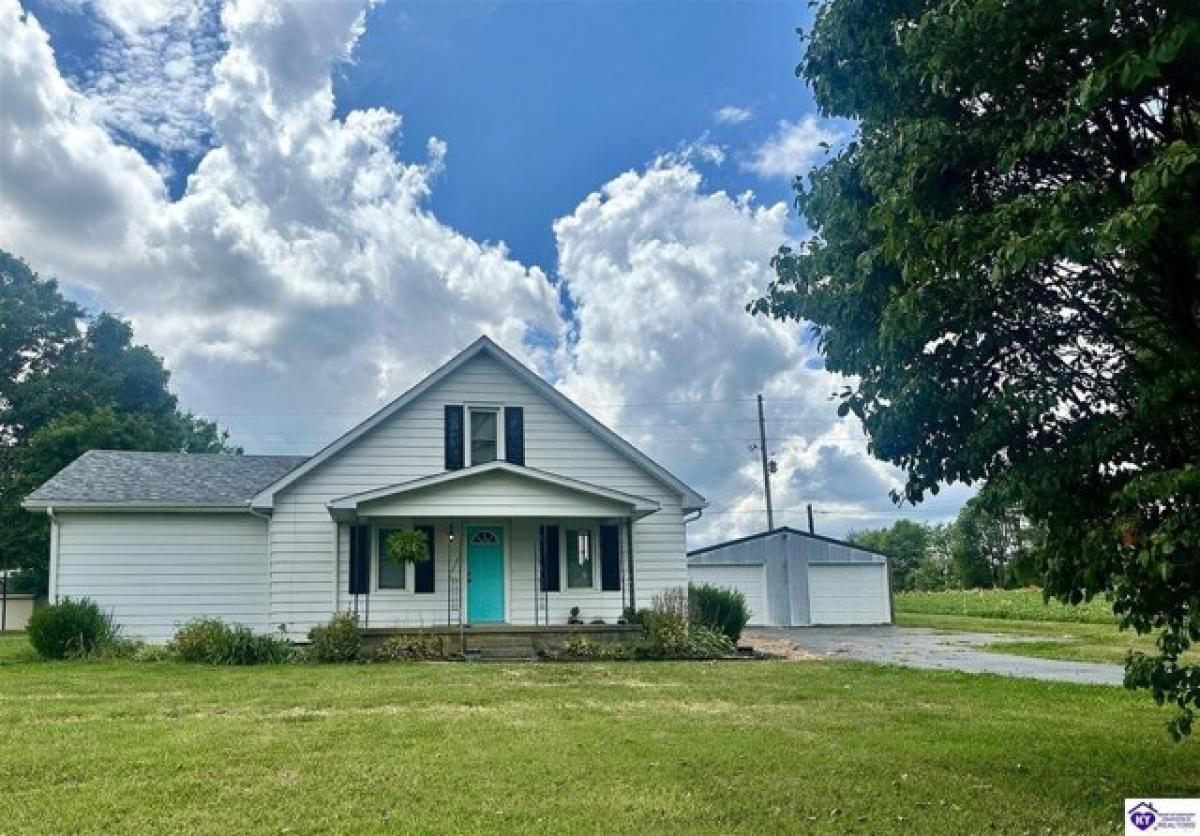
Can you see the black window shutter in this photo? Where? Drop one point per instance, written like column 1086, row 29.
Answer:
column 423, row 570
column 514, row 434
column 360, row 560
column 610, row 558
column 550, row 566
column 454, row 437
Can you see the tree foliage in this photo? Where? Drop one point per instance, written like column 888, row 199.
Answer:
column 69, row 384
column 1007, row 261
column 905, row 543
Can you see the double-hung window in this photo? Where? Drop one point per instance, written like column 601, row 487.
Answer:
column 484, row 428
column 389, row 573
column 580, row 569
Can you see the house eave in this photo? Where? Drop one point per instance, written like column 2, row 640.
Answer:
column 346, row 507
column 57, row 506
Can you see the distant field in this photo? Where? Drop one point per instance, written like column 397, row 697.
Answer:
column 1017, row 604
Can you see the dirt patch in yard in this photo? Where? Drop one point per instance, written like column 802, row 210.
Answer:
column 777, row 647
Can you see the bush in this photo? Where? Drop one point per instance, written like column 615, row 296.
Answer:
column 71, row 629
column 152, row 653
column 669, row 636
column 337, row 641
column 719, row 609
column 414, row 648
column 211, row 641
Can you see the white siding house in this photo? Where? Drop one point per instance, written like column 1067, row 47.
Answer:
column 531, row 507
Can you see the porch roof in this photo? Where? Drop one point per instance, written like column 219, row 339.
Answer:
column 495, row 489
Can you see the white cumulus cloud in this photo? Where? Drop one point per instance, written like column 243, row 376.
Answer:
column 792, row 148
column 300, row 279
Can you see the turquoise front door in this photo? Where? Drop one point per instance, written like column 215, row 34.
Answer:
column 485, row 574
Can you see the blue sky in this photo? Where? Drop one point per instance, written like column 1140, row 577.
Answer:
column 307, row 206
column 542, row 101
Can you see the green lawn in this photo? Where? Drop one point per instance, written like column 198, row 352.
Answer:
column 613, row 747
column 1087, row 633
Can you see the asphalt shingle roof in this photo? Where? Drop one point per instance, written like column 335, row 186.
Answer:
column 183, row 478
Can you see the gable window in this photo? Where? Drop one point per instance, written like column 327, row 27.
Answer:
column 389, row 573
column 579, row 560
column 484, row 427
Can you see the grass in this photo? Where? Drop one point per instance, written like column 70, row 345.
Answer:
column 1014, row 604
column 763, row 747
column 1087, row 633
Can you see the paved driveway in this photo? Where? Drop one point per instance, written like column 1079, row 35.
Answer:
column 920, row 647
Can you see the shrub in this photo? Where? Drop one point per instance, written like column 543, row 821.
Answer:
column 705, row 643
column 413, row 648
column 669, row 636
column 337, row 641
column 211, row 641
column 719, row 609
column 581, row 647
column 152, row 653
column 70, row 629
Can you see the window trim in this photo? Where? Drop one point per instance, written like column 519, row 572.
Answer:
column 566, row 557
column 481, row 406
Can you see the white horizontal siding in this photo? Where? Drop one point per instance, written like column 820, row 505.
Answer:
column 306, row 585
column 494, row 494
column 154, row 572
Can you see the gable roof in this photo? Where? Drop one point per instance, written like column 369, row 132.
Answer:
column 639, row 504
column 126, row 478
column 784, row 529
column 484, row 345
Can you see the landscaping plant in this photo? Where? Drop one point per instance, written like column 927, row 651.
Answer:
column 718, row 608
column 70, row 629
column 211, row 641
column 411, row 648
column 338, row 641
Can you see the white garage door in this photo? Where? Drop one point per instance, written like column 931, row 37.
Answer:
column 747, row 579
column 848, row 593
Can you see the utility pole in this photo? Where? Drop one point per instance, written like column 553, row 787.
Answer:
column 811, row 528
column 762, row 446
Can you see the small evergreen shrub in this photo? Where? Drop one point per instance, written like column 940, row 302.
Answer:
column 415, row 648
column 71, row 629
column 717, row 608
column 337, row 641
column 210, row 641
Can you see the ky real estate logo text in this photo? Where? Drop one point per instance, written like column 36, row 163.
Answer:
column 1162, row 815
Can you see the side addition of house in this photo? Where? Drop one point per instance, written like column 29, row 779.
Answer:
column 528, row 505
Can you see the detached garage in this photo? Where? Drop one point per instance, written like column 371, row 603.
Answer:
column 794, row 579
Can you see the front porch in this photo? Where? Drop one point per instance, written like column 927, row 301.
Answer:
column 511, row 547
column 508, row 641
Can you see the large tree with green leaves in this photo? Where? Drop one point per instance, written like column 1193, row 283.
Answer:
column 1006, row 260
column 68, row 384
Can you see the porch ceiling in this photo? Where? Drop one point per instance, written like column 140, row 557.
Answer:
column 495, row 489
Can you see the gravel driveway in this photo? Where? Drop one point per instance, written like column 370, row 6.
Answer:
column 919, row 647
